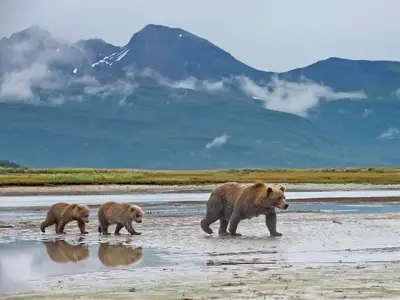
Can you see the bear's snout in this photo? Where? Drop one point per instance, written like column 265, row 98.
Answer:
column 285, row 207
column 139, row 221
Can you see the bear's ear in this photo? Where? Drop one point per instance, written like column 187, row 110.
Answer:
column 258, row 184
column 282, row 188
column 82, row 207
column 269, row 190
column 133, row 209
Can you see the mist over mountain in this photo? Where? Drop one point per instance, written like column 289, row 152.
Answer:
column 172, row 100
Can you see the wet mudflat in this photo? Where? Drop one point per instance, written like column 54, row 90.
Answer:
column 336, row 251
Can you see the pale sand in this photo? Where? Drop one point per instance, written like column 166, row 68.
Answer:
column 316, row 258
column 141, row 189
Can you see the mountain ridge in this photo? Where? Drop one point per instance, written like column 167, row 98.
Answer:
column 168, row 101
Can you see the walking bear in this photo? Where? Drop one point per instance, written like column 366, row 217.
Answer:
column 232, row 202
column 119, row 213
column 62, row 213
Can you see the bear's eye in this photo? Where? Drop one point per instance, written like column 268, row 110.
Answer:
column 137, row 215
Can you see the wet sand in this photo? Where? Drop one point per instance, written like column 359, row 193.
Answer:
column 148, row 189
column 319, row 256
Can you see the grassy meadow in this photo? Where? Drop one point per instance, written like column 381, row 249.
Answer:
column 52, row 177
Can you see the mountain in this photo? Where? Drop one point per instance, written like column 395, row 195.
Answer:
column 8, row 164
column 376, row 78
column 169, row 99
column 177, row 54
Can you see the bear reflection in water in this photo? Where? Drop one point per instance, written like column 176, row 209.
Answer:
column 61, row 251
column 116, row 255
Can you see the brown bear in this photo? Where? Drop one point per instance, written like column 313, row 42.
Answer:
column 232, row 202
column 119, row 255
column 119, row 213
column 62, row 213
column 60, row 251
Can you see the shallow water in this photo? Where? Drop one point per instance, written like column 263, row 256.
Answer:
column 39, row 201
column 187, row 204
column 193, row 209
column 354, row 240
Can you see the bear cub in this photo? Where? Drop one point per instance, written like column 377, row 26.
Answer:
column 119, row 213
column 61, row 213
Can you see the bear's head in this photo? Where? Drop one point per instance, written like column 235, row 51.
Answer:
column 136, row 213
column 272, row 197
column 82, row 212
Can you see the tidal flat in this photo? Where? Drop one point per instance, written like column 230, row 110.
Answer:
column 329, row 250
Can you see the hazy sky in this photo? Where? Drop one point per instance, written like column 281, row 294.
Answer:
column 269, row 35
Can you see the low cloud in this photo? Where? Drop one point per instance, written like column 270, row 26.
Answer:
column 291, row 97
column 367, row 112
column 19, row 84
column 397, row 93
column 26, row 77
column 189, row 83
column 35, row 63
column 390, row 133
column 218, row 142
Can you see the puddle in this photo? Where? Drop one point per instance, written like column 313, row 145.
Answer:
column 25, row 261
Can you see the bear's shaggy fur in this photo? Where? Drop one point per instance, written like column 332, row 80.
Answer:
column 119, row 213
column 62, row 213
column 60, row 251
column 119, row 255
column 232, row 202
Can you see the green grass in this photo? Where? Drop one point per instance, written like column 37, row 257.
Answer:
column 43, row 177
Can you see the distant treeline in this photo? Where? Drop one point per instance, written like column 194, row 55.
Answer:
column 8, row 164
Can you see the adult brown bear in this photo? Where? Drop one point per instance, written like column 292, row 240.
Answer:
column 232, row 202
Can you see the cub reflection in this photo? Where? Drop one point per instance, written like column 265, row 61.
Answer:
column 119, row 255
column 60, row 251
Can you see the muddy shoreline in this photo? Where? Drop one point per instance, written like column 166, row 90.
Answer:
column 152, row 189
column 356, row 258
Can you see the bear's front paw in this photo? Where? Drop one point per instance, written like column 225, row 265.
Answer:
column 85, row 232
column 236, row 234
column 276, row 233
column 136, row 233
column 223, row 233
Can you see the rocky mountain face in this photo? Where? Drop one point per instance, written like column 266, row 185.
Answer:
column 172, row 100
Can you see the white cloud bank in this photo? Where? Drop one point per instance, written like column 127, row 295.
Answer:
column 19, row 85
column 218, row 142
column 190, row 83
column 291, row 97
column 390, row 133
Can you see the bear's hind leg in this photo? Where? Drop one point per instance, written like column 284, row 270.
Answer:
column 210, row 218
column 46, row 223
column 60, row 227
column 223, row 225
column 103, row 228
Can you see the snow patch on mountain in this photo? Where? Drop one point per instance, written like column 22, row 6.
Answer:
column 114, row 57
